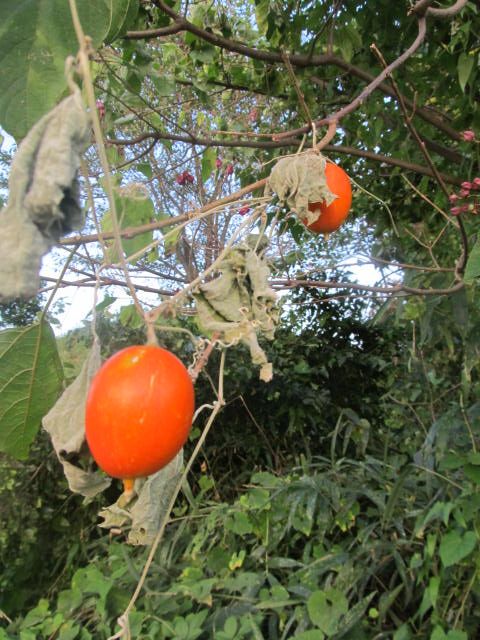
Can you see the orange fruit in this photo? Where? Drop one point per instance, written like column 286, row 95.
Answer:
column 333, row 215
column 139, row 411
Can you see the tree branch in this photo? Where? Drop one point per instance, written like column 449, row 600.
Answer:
column 400, row 288
column 299, row 60
column 267, row 144
column 422, row 8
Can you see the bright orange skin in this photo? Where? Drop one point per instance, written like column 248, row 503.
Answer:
column 139, row 411
column 334, row 215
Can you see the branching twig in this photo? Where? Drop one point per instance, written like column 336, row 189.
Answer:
column 324, row 284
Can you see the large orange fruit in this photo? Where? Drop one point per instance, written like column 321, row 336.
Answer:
column 139, row 411
column 335, row 214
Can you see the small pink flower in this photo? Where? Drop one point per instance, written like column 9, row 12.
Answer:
column 469, row 135
column 455, row 211
column 453, row 197
column 189, row 177
column 476, row 183
column 244, row 210
column 466, row 185
column 100, row 108
column 229, row 169
column 464, row 193
column 218, row 163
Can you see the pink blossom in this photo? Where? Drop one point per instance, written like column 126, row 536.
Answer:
column 229, row 169
column 455, row 211
column 453, row 197
column 100, row 108
column 469, row 135
column 464, row 192
column 243, row 210
column 476, row 183
column 466, row 185
column 218, row 163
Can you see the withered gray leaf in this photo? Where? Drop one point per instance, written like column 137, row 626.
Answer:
column 145, row 513
column 299, row 180
column 65, row 423
column 43, row 202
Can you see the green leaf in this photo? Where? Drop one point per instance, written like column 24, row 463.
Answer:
column 313, row 634
column 35, row 38
column 240, row 524
column 464, row 68
column 454, row 547
column 171, row 239
column 106, row 302
column 31, row 378
column 123, row 15
column 134, row 208
column 145, row 168
column 472, row 472
column 262, row 9
column 325, row 609
column 164, row 85
column 208, row 163
column 472, row 269
column 403, row 633
column 129, row 317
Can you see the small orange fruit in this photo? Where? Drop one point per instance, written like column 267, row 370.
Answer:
column 332, row 217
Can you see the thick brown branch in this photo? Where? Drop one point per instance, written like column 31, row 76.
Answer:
column 267, row 144
column 147, row 34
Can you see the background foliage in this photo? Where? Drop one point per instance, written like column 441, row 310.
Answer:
column 341, row 499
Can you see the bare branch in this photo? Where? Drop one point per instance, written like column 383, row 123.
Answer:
column 325, row 284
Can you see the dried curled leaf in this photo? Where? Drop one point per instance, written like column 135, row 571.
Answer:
column 65, row 423
column 299, row 180
column 145, row 513
column 43, row 195
column 239, row 304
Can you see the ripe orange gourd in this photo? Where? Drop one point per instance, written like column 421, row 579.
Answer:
column 139, row 411
column 334, row 215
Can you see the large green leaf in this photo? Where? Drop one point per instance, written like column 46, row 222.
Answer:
column 35, row 38
column 454, row 547
column 31, row 378
column 472, row 270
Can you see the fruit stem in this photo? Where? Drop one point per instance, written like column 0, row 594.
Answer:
column 128, row 486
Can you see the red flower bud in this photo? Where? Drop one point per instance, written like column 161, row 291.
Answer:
column 218, row 163
column 244, row 210
column 229, row 169
column 469, row 135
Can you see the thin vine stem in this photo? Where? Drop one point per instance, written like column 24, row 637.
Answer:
column 217, row 406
